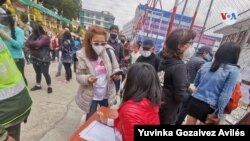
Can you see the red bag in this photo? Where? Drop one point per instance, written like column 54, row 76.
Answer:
column 234, row 100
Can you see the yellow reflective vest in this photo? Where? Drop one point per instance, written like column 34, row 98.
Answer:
column 15, row 101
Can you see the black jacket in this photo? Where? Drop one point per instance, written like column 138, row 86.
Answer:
column 118, row 50
column 153, row 60
column 175, row 89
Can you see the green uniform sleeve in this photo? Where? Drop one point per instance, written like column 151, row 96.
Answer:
column 3, row 133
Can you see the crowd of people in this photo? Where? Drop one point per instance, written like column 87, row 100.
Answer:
column 104, row 60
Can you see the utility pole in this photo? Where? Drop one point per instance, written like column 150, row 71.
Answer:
column 195, row 13
column 204, row 25
column 172, row 18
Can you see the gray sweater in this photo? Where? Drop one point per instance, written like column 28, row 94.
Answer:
column 193, row 65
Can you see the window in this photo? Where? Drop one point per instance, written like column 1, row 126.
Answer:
column 97, row 22
column 107, row 19
column 107, row 25
column 98, row 17
column 89, row 20
column 89, row 15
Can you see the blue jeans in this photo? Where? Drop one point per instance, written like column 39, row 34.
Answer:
column 94, row 105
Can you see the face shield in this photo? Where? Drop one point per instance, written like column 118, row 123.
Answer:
column 3, row 17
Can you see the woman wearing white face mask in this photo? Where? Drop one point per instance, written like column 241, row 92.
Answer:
column 188, row 54
column 97, row 62
column 147, row 55
column 175, row 86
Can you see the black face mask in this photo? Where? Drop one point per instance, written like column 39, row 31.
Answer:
column 113, row 36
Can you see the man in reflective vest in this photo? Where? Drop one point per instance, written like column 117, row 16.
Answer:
column 15, row 101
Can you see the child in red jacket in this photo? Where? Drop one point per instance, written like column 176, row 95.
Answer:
column 140, row 102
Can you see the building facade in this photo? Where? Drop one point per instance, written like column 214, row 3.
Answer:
column 103, row 19
column 128, row 29
column 156, row 23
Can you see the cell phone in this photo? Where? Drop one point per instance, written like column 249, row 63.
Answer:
column 117, row 73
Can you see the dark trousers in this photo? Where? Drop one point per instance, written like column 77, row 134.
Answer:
column 26, row 55
column 20, row 65
column 14, row 131
column 42, row 68
column 68, row 71
column 94, row 105
column 53, row 54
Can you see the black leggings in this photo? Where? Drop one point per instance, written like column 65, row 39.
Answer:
column 42, row 68
column 68, row 71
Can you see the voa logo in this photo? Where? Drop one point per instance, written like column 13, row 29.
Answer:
column 229, row 16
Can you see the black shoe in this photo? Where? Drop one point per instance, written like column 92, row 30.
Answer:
column 49, row 90
column 36, row 88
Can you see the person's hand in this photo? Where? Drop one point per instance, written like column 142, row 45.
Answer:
column 92, row 79
column 116, row 77
column 102, row 118
column 192, row 87
column 10, row 139
column 113, row 114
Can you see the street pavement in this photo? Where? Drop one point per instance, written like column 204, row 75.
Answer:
column 54, row 117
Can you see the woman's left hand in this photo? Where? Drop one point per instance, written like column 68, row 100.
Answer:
column 116, row 77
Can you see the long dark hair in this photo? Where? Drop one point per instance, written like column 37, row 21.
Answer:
column 176, row 38
column 228, row 53
column 142, row 82
column 37, row 30
column 67, row 36
column 11, row 23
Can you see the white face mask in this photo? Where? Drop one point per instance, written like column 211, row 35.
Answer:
column 146, row 53
column 98, row 49
column 188, row 53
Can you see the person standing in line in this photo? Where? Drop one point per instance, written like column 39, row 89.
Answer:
column 203, row 55
column 97, row 65
column 140, row 102
column 67, row 53
column 60, row 42
column 148, row 56
column 77, row 46
column 54, row 47
column 26, row 51
column 175, row 86
column 135, row 53
column 215, row 83
column 114, row 42
column 13, row 37
column 39, row 45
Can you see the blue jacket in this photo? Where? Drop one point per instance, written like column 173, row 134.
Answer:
column 15, row 46
column 216, row 88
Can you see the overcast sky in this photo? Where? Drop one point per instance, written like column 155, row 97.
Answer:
column 124, row 10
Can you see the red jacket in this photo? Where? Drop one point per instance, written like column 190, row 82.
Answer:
column 135, row 113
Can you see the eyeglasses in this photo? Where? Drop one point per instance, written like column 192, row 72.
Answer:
column 190, row 43
column 99, row 43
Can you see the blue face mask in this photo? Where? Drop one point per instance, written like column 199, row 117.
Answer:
column 208, row 57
